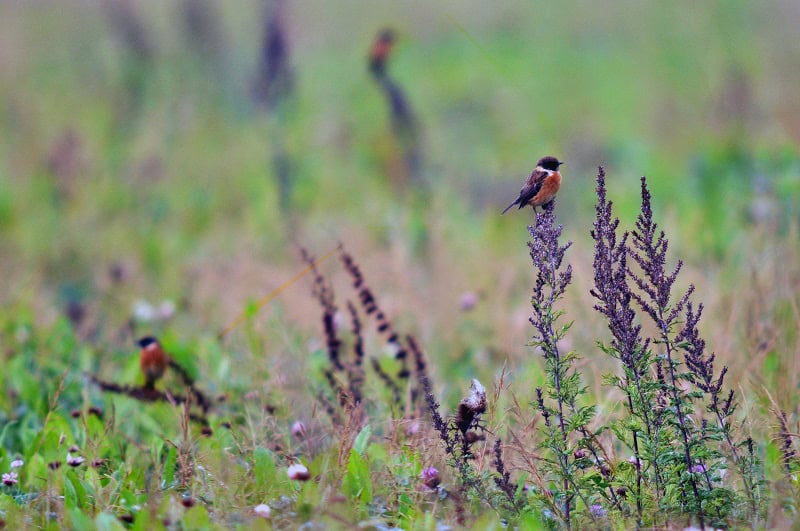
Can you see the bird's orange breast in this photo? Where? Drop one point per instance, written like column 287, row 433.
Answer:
column 153, row 361
column 548, row 190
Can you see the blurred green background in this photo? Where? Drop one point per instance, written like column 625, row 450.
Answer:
column 137, row 167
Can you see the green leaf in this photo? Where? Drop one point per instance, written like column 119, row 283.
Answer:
column 169, row 466
column 108, row 522
column 197, row 518
column 74, row 491
column 362, row 439
column 79, row 520
column 265, row 470
column 357, row 482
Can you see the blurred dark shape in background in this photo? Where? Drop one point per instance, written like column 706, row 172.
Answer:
column 65, row 161
column 139, row 51
column 205, row 38
column 404, row 125
column 275, row 78
column 405, row 165
column 273, row 87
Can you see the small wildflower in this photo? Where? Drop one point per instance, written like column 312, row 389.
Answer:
column 17, row 463
column 206, row 431
column 54, row 465
column 299, row 429
column 298, row 472
column 598, row 511
column 143, row 311
column 262, row 510
column 580, row 453
column 166, row 310
column 412, row 428
column 698, row 469
column 74, row 449
column 10, row 479
column 430, row 477
column 187, row 501
column 469, row 299
column 74, row 460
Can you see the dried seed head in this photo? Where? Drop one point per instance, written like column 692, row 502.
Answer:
column 471, row 407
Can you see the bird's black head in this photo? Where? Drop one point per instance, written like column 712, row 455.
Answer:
column 549, row 163
column 386, row 35
column 146, row 341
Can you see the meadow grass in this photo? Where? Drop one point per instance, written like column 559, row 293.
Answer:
column 139, row 195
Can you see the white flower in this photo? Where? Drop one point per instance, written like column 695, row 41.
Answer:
column 17, row 463
column 262, row 510
column 298, row 472
column 143, row 311
column 74, row 460
column 10, row 479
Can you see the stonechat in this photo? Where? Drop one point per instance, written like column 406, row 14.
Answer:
column 542, row 184
column 153, row 360
column 381, row 48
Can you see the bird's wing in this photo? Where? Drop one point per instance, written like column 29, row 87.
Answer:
column 532, row 187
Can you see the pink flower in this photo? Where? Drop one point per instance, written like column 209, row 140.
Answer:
column 430, row 477
column 298, row 472
column 299, row 429
column 598, row 511
column 17, row 463
column 10, row 479
column 469, row 299
column 698, row 469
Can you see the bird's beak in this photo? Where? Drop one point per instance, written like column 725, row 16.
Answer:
column 560, row 163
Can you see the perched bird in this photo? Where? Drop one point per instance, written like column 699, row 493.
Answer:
column 542, row 184
column 380, row 51
column 153, row 361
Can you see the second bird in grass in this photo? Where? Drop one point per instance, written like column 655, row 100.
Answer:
column 542, row 184
column 153, row 361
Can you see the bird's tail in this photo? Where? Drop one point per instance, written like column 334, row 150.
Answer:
column 509, row 207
